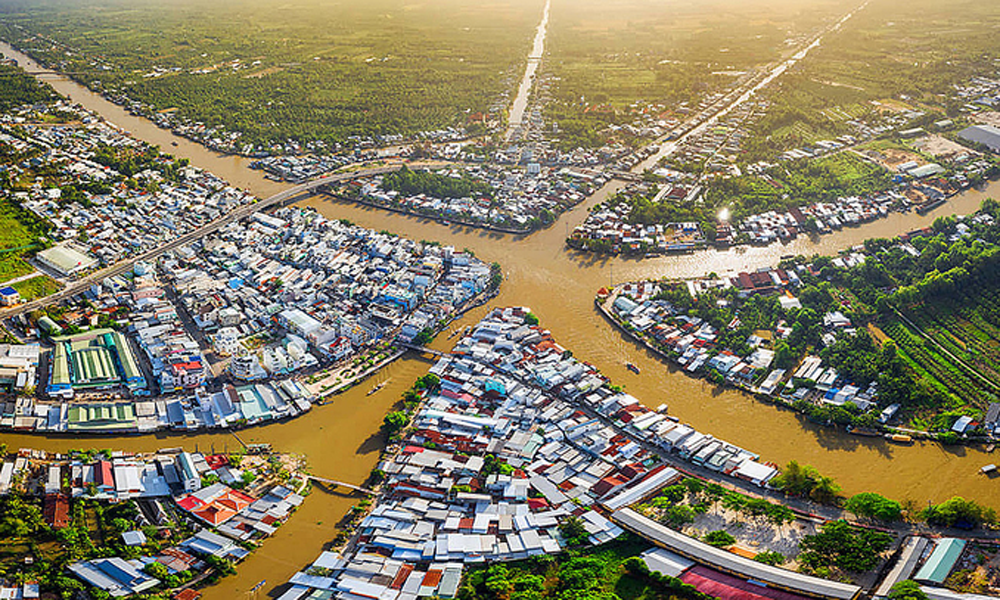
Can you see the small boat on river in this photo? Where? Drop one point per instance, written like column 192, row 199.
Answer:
column 633, row 367
column 377, row 387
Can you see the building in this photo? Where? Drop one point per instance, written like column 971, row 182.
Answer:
column 942, row 560
column 66, row 260
column 18, row 366
column 95, row 360
column 9, row 296
column 115, row 576
column 986, row 135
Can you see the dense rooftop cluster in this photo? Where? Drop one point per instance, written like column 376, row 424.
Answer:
column 109, row 184
column 513, row 438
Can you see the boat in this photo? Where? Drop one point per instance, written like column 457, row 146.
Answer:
column 173, row 143
column 377, row 387
column 862, row 431
column 988, row 469
column 900, row 438
column 633, row 367
column 991, row 448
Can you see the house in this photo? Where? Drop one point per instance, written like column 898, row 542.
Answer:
column 9, row 296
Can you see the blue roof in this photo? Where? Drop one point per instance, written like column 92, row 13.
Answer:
column 493, row 385
column 941, row 561
column 7, row 291
column 235, row 283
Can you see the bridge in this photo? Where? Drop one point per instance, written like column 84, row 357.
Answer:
column 335, row 483
column 422, row 350
column 289, row 196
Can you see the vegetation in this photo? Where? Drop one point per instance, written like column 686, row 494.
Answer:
column 608, row 572
column 959, row 512
column 435, row 184
column 305, row 71
column 870, row 504
column 907, row 590
column 679, row 504
column 394, row 423
column 719, row 538
column 791, row 184
column 17, row 88
column 806, row 481
column 32, row 551
column 36, row 287
column 878, row 56
column 844, row 547
column 617, row 62
column 573, row 531
column 20, row 233
column 794, row 183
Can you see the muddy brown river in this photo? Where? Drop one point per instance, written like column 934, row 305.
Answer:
column 340, row 438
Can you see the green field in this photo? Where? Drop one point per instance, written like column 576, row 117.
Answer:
column 965, row 327
column 307, row 70
column 608, row 55
column 882, row 53
column 36, row 287
column 19, row 231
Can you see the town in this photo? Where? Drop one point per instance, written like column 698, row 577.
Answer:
column 126, row 524
column 516, row 449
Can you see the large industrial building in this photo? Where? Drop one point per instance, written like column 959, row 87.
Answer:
column 986, row 135
column 66, row 260
column 94, row 360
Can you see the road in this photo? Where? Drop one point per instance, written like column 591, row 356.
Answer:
column 711, row 115
column 288, row 196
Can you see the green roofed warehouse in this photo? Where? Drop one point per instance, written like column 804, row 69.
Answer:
column 94, row 360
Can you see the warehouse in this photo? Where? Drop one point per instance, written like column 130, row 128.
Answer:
column 95, row 360
column 66, row 260
column 986, row 135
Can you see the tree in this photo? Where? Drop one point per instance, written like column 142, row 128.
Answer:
column 719, row 539
column 769, row 557
column 157, row 570
column 870, row 504
column 841, row 545
column 958, row 512
column 573, row 531
column 907, row 590
column 394, row 422
column 530, row 319
column 799, row 480
column 678, row 515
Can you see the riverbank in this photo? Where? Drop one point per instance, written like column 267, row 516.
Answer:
column 126, row 523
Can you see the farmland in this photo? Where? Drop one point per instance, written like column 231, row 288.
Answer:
column 303, row 71
column 612, row 60
column 964, row 326
column 882, row 55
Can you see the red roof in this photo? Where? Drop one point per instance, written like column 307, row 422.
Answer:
column 432, row 578
column 216, row 460
column 726, row 587
column 56, row 510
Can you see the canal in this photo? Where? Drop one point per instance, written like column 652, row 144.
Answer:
column 340, row 438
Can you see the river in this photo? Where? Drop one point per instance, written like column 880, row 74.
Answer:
column 340, row 439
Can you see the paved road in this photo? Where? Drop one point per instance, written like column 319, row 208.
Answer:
column 290, row 195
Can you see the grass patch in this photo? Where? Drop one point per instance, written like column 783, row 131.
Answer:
column 37, row 287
